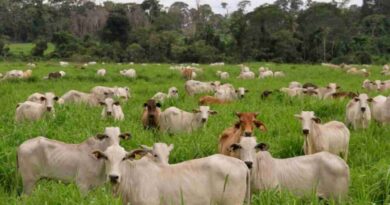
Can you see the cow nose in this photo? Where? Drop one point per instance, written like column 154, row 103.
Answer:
column 305, row 131
column 242, row 96
column 48, row 109
column 108, row 113
column 249, row 164
column 151, row 116
column 363, row 109
column 248, row 134
column 204, row 120
column 114, row 178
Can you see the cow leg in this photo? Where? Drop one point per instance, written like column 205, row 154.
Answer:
column 28, row 185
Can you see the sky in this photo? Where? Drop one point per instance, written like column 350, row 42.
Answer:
column 216, row 4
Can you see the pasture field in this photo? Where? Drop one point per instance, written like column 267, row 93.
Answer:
column 26, row 48
column 369, row 155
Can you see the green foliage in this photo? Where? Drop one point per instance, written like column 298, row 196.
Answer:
column 65, row 45
column 117, row 27
column 135, row 53
column 39, row 49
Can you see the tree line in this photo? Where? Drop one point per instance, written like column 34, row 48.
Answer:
column 290, row 31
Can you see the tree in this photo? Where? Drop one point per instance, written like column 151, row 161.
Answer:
column 117, row 27
column 39, row 49
column 224, row 6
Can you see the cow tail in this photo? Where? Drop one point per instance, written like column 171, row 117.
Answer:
column 248, row 188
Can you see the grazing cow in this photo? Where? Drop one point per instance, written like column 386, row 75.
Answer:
column 130, row 73
column 17, row 74
column 55, row 75
column 173, row 93
column 193, row 87
column 64, row 63
column 342, row 95
column 31, row 65
column 34, row 111
column 160, row 152
column 216, row 179
column 309, row 85
column 74, row 96
column 279, row 74
column 295, row 84
column 112, row 109
column 369, row 85
column 380, row 109
column 246, row 75
column 244, row 127
column 188, row 74
column 359, row 112
column 355, row 71
column 325, row 93
column 173, row 120
column 332, row 136
column 223, row 75
column 292, row 92
column 102, row 92
column 265, row 73
column 41, row 157
column 101, row 72
column 151, row 114
column 324, row 173
column 209, row 100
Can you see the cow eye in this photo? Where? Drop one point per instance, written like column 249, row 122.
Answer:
column 155, row 155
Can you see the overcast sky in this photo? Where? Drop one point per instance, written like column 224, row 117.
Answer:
column 216, row 4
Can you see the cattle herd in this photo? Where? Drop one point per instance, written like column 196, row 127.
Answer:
column 242, row 166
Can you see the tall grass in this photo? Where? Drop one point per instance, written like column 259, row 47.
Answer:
column 369, row 149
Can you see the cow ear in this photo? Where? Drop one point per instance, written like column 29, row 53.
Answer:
column 101, row 136
column 99, row 155
column 260, row 125
column 170, row 147
column 102, row 103
column 237, row 125
column 262, row 147
column 43, row 98
column 369, row 99
column 238, row 114
column 213, row 112
column 56, row 98
column 234, row 147
column 195, row 111
column 145, row 104
column 298, row 116
column 246, row 90
column 125, row 136
column 135, row 154
column 317, row 120
column 158, row 104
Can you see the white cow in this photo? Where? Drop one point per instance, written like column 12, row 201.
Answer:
column 359, row 112
column 332, row 136
column 92, row 63
column 279, row 74
column 160, row 152
column 246, row 75
column 74, row 96
column 41, row 157
column 112, row 109
column 64, row 63
column 193, row 87
column 369, row 85
column 292, row 92
column 101, row 72
column 325, row 93
column 34, row 111
column 173, row 93
column 223, row 75
column 18, row 74
column 265, row 73
column 227, row 92
column 324, row 173
column 381, row 109
column 295, row 84
column 130, row 73
column 216, row 179
column 102, row 92
column 173, row 120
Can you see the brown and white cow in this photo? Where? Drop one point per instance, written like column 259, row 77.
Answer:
column 244, row 127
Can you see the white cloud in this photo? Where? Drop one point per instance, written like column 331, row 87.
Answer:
column 216, row 4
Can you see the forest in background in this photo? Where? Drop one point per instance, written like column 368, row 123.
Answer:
column 287, row 31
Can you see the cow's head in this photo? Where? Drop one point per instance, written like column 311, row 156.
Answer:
column 160, row 152
column 246, row 150
column 153, row 110
column 204, row 112
column 247, row 123
column 307, row 118
column 48, row 100
column 109, row 104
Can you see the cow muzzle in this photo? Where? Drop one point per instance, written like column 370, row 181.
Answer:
column 109, row 113
column 305, row 131
column 363, row 109
column 204, row 120
column 249, row 164
column 49, row 109
column 248, row 134
column 113, row 178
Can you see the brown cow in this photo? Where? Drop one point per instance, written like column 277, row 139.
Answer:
column 209, row 100
column 151, row 114
column 188, row 73
column 342, row 95
column 244, row 127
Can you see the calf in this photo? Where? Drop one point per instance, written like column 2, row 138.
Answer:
column 173, row 93
column 41, row 157
column 216, row 179
column 244, row 127
column 332, row 136
column 324, row 173
column 193, row 87
column 112, row 109
column 151, row 114
column 173, row 120
column 34, row 111
column 359, row 112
